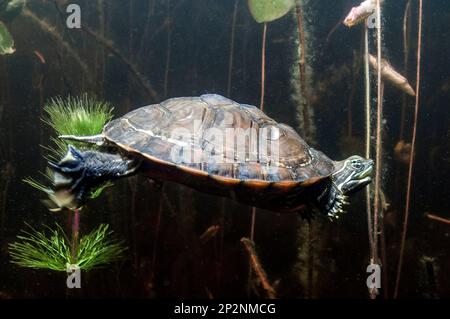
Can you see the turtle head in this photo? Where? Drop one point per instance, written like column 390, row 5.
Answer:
column 352, row 174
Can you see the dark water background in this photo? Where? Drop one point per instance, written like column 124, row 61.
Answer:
column 162, row 228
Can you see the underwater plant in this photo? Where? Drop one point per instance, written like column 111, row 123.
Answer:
column 269, row 10
column 6, row 40
column 9, row 9
column 255, row 264
column 437, row 218
column 35, row 249
column 413, row 146
column 82, row 115
column 72, row 115
column 53, row 250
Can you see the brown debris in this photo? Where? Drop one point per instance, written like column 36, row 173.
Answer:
column 437, row 218
column 210, row 233
column 392, row 76
column 360, row 13
column 402, row 152
column 257, row 267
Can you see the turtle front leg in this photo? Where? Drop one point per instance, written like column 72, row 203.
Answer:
column 329, row 199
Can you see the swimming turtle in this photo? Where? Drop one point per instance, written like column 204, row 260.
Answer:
column 214, row 145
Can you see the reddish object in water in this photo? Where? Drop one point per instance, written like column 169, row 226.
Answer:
column 40, row 57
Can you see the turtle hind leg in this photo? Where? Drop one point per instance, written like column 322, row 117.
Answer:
column 79, row 173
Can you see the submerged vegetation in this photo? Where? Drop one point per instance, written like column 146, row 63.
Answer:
column 79, row 116
column 269, row 10
column 82, row 116
column 9, row 9
column 53, row 250
column 71, row 116
column 6, row 41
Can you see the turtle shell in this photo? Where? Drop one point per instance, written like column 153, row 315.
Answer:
column 179, row 140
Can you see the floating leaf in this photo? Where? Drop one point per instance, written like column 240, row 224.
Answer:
column 269, row 10
column 6, row 41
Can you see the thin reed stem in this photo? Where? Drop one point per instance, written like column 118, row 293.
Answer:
column 257, row 267
column 368, row 134
column 413, row 147
column 75, row 234
column 261, row 107
column 231, row 58
column 302, row 72
column 169, row 49
column 378, row 150
column 263, row 66
column 378, row 135
column 437, row 218
column 406, row 28
column 157, row 234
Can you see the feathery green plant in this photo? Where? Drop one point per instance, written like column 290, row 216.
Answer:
column 97, row 249
column 40, row 251
column 81, row 116
column 71, row 116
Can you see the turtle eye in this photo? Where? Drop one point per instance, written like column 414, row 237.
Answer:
column 357, row 164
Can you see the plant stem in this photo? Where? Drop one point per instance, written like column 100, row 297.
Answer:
column 169, row 48
column 439, row 219
column 133, row 187
column 406, row 27
column 261, row 107
column 75, row 234
column 413, row 147
column 157, row 232
column 368, row 133
column 263, row 67
column 310, row 261
column 100, row 61
column 230, row 63
column 130, row 28
column 302, row 72
column 378, row 161
column 256, row 265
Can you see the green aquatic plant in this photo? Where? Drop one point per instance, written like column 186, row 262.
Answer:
column 84, row 115
column 9, row 9
column 6, row 40
column 53, row 250
column 80, row 116
column 269, row 10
